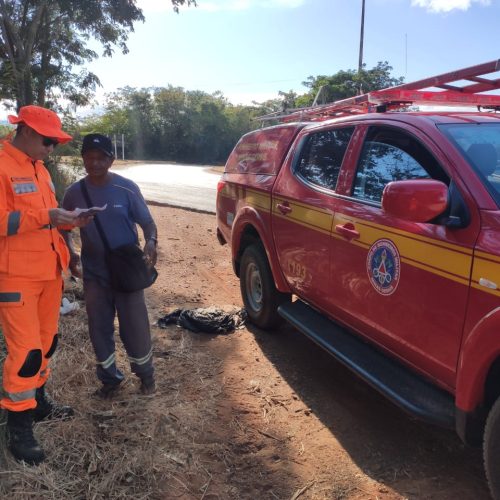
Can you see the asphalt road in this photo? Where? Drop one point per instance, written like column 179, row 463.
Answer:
column 184, row 186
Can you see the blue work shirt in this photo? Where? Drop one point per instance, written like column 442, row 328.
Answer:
column 126, row 207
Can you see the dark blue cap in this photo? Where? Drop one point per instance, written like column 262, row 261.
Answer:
column 97, row 142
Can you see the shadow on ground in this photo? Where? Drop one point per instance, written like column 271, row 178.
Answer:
column 414, row 459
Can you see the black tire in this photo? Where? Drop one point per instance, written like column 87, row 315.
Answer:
column 491, row 450
column 260, row 296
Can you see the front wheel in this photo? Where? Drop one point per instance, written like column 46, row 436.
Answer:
column 260, row 296
column 491, row 450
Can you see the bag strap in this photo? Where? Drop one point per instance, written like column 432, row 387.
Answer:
column 100, row 230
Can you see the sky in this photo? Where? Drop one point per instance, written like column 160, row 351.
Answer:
column 251, row 49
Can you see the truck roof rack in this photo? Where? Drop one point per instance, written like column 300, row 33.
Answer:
column 451, row 93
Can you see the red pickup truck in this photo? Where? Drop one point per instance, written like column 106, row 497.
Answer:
column 377, row 235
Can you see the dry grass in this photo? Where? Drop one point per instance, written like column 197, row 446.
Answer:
column 131, row 447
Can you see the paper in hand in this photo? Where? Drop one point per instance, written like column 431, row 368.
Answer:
column 87, row 212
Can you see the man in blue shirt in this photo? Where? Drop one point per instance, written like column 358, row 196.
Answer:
column 125, row 208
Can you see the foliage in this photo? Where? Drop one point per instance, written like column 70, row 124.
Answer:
column 171, row 123
column 284, row 101
column 61, row 175
column 6, row 131
column 42, row 44
column 347, row 83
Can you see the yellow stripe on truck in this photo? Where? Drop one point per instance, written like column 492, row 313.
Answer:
column 487, row 269
column 441, row 258
column 305, row 215
column 258, row 200
column 420, row 251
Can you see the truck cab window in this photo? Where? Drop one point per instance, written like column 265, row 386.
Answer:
column 391, row 155
column 322, row 155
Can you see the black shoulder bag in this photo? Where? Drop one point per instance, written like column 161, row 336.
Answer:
column 127, row 265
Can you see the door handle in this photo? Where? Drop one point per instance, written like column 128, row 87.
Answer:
column 347, row 230
column 284, row 207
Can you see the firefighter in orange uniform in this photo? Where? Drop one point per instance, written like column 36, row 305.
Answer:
column 32, row 257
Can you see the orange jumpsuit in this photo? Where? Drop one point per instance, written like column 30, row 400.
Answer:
column 32, row 256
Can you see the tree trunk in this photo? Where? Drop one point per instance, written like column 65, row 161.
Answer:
column 27, row 87
column 20, row 51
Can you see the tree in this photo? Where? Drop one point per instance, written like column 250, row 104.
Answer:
column 284, row 101
column 171, row 123
column 209, row 126
column 43, row 41
column 348, row 83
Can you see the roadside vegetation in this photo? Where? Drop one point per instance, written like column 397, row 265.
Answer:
column 191, row 126
column 46, row 46
column 141, row 447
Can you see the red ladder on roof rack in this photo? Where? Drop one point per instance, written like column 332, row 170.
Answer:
column 410, row 93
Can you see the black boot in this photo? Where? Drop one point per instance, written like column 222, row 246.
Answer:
column 22, row 442
column 46, row 408
column 148, row 385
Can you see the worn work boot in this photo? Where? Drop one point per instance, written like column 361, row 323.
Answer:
column 107, row 391
column 22, row 442
column 148, row 385
column 48, row 409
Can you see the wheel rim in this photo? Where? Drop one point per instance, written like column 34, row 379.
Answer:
column 254, row 287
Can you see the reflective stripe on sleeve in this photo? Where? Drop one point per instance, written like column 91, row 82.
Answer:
column 21, row 396
column 13, row 223
column 108, row 362
column 10, row 297
column 143, row 360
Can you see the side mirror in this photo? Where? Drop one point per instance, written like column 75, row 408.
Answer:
column 415, row 200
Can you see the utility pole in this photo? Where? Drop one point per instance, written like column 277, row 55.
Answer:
column 361, row 37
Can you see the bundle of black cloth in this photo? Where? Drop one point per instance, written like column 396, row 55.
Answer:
column 205, row 320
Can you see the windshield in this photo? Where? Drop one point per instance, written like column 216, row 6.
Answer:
column 480, row 145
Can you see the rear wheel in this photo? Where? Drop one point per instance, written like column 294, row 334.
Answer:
column 260, row 296
column 491, row 450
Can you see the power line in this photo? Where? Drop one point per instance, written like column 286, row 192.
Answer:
column 236, row 84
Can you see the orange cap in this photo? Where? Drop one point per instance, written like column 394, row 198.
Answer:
column 42, row 120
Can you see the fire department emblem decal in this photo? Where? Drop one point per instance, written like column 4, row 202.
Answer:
column 383, row 266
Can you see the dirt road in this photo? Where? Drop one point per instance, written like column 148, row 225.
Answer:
column 241, row 416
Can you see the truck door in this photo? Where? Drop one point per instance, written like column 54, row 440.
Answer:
column 303, row 204
column 403, row 284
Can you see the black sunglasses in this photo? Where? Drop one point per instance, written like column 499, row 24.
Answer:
column 48, row 141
